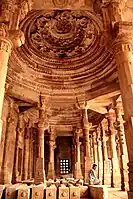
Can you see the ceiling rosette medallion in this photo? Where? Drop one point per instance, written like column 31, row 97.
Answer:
column 62, row 34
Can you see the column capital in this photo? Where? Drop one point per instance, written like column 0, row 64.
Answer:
column 123, row 41
column 14, row 38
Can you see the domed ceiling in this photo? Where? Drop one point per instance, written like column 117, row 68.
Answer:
column 66, row 57
column 66, row 54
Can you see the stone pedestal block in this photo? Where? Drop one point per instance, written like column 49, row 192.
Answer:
column 2, row 187
column 24, row 192
column 11, row 191
column 63, row 192
column 99, row 192
column 83, row 191
column 38, row 191
column 39, row 173
column 74, row 192
column 51, row 192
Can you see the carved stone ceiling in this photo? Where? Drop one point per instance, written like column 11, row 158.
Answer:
column 66, row 57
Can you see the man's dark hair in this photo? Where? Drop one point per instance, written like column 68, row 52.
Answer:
column 94, row 165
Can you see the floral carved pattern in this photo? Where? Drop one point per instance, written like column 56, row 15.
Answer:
column 62, row 34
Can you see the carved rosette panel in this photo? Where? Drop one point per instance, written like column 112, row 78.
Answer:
column 62, row 34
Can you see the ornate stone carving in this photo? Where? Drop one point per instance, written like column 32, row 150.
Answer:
column 123, row 37
column 62, row 34
column 60, row 3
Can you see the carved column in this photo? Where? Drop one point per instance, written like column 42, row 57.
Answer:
column 104, row 139
column 94, row 141
column 8, row 39
column 51, row 165
column 87, row 158
column 5, row 49
column 17, row 173
column 106, row 162
column 9, row 149
column 115, row 178
column 123, row 47
column 99, row 152
column 42, row 126
column 26, row 153
column 122, row 148
column 77, row 172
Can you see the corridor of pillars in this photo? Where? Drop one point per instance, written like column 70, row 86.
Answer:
column 41, row 154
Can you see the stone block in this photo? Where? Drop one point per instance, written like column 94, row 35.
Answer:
column 24, row 192
column 38, row 191
column 2, row 187
column 74, row 192
column 63, row 192
column 84, row 191
column 99, row 191
column 51, row 192
column 11, row 191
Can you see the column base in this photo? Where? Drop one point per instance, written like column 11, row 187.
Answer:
column 51, row 171
column 40, row 172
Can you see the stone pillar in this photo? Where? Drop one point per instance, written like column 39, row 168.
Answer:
column 42, row 126
column 8, row 39
column 26, row 153
column 9, row 149
column 17, row 175
column 30, row 168
column 77, row 170
column 91, row 147
column 104, row 139
column 123, row 47
column 40, row 170
column 115, row 178
column 51, row 168
column 106, row 162
column 86, row 143
column 5, row 50
column 123, row 156
column 99, row 152
column 94, row 141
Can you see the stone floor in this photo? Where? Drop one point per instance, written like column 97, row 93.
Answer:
column 115, row 193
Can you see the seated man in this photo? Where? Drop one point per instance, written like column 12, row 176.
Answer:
column 93, row 180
